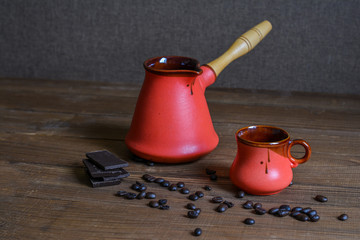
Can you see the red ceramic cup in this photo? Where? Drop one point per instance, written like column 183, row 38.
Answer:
column 263, row 164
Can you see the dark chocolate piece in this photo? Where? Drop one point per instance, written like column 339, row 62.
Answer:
column 106, row 160
column 96, row 182
column 96, row 172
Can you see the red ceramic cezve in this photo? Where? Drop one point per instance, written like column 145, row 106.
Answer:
column 171, row 122
column 263, row 164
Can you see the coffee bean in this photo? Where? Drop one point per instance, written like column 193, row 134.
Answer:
column 222, row 207
column 192, row 214
column 343, row 217
column 193, row 197
column 294, row 213
column 199, row 194
column 141, row 195
column 312, row 213
column 146, row 176
column 198, row 210
column 257, row 205
column 210, row 171
column 306, row 210
column 291, row 183
column 249, row 221
column 240, row 194
column 302, row 217
column 165, row 184
column 185, row 191
column 164, row 207
column 162, row 201
column 285, row 207
column 173, row 187
column 248, row 205
column 191, row 206
column 142, row 188
column 121, row 193
column 321, row 198
column 150, row 163
column 260, row 211
column 154, row 204
column 135, row 187
column 150, row 195
column 180, row 184
column 229, row 204
column 273, row 211
column 296, row 209
column 282, row 213
column 130, row 195
column 213, row 177
column 207, row 188
column 197, row 232
column 315, row 218
column 159, row 180
column 217, row 199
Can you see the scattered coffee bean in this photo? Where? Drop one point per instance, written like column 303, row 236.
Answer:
column 282, row 213
column 165, row 184
column 159, row 180
column 185, row 191
column 296, row 209
column 273, row 211
column 229, row 204
column 199, row 194
column 198, row 210
column 150, row 195
column 315, row 218
column 173, row 187
column 285, row 207
column 135, row 187
column 164, row 207
column 321, row 198
column 154, row 204
column 291, row 183
column 207, row 188
column 248, row 205
column 249, row 221
column 130, row 195
column 197, row 232
column 141, row 195
column 257, row 205
column 192, row 214
column 294, row 213
column 222, row 207
column 343, row 217
column 217, row 199
column 240, row 194
column 302, row 217
column 191, row 206
column 162, row 201
column 151, row 179
column 260, row 211
column 142, row 188
column 312, row 213
column 121, row 193
column 306, row 210
column 213, row 177
column 150, row 163
column 193, row 197
column 180, row 184
column 210, row 171
column 146, row 176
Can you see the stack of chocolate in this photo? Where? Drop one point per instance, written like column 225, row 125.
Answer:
column 104, row 168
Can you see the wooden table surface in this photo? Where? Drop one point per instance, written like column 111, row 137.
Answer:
column 46, row 127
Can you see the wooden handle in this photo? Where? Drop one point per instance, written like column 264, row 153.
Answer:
column 244, row 44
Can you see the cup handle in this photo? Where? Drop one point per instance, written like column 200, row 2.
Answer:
column 295, row 161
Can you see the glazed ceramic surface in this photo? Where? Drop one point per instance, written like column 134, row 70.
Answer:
column 171, row 122
column 263, row 164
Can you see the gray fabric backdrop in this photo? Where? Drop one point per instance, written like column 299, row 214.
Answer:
column 314, row 45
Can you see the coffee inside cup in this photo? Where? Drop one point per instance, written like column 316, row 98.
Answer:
column 262, row 135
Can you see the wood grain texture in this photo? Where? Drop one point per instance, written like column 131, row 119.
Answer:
column 46, row 127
